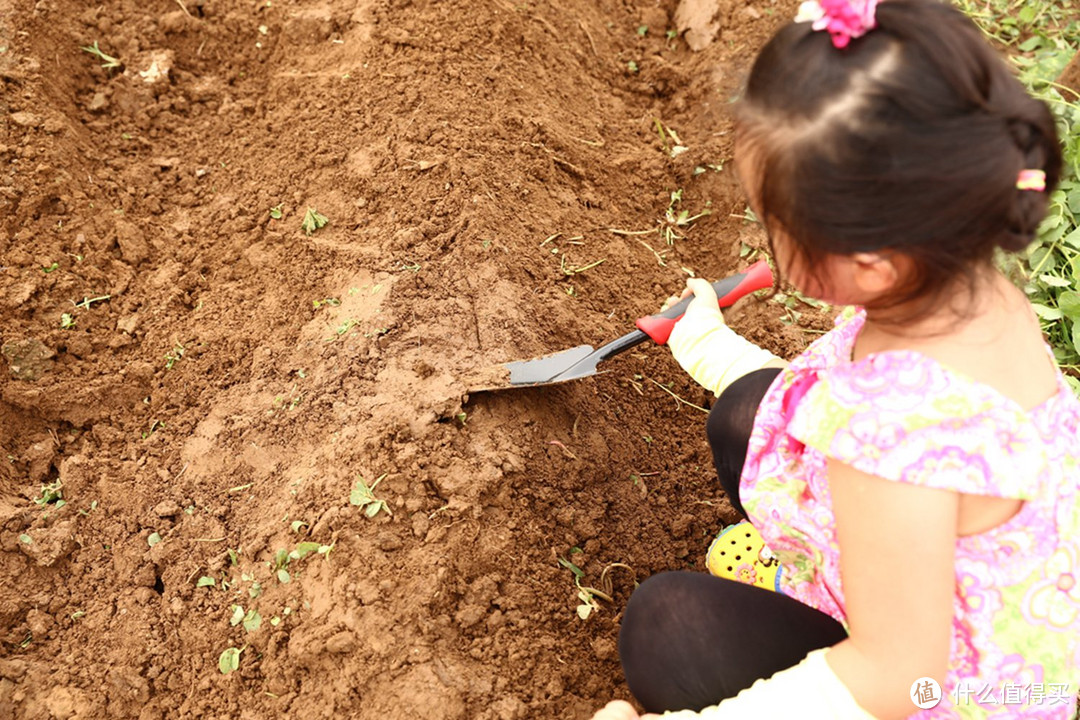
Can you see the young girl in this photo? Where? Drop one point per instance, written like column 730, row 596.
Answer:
column 915, row 471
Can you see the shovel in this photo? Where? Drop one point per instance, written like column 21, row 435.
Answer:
column 582, row 360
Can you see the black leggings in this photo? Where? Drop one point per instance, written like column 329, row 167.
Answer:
column 690, row 640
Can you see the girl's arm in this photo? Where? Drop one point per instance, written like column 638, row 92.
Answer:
column 897, row 544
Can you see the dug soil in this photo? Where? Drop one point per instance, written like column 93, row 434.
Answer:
column 193, row 387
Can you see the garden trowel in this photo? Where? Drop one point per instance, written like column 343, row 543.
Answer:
column 582, row 360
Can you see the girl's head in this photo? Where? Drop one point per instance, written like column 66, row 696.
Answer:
column 905, row 146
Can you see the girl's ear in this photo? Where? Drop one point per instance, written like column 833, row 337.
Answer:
column 877, row 273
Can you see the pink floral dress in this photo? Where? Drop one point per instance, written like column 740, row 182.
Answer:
column 902, row 416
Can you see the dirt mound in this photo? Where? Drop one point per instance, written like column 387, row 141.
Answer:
column 193, row 385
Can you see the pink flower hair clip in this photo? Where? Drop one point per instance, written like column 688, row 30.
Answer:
column 844, row 19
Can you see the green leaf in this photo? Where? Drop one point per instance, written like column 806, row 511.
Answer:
column 1030, row 44
column 1073, row 238
column 237, row 615
column 1026, row 14
column 572, row 567
column 1047, row 313
column 229, row 660
column 306, row 548
column 205, row 581
column 253, row 620
column 313, row 220
column 154, row 539
column 26, row 539
column 283, row 576
column 1054, row 281
column 1069, row 303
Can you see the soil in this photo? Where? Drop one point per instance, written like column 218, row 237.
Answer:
column 192, row 385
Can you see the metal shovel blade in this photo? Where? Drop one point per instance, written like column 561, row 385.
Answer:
column 571, row 364
column 546, row 369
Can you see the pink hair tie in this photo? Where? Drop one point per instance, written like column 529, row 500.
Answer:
column 1031, row 180
column 844, row 19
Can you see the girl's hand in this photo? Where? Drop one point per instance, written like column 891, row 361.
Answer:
column 704, row 298
column 621, row 710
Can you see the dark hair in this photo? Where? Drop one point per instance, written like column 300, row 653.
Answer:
column 910, row 140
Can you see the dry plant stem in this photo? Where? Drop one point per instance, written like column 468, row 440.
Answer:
column 684, row 402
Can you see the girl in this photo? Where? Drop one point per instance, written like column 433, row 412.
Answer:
column 914, row 471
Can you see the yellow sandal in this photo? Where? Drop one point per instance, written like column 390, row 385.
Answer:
column 739, row 553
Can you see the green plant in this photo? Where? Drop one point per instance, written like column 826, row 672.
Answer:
column 67, row 321
column 275, row 212
column 364, row 496
column 51, row 493
column 173, row 356
column 107, row 61
column 313, row 220
column 229, row 659
column 672, row 226
column 1046, row 36
column 589, row 597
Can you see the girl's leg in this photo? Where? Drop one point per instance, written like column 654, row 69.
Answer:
column 730, row 422
column 690, row 640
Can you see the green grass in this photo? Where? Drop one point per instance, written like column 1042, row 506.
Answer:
column 1041, row 37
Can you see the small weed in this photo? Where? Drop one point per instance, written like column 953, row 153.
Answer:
column 669, row 139
column 230, row 659
column 26, row 539
column 275, row 212
column 153, row 539
column 50, row 268
column 672, row 226
column 107, row 61
column 364, row 497
column 676, row 218
column 342, row 329
column 51, row 493
column 154, row 427
column 67, row 321
column 174, row 356
column 330, row 302
column 632, row 67
column 589, row 596
column 313, row 220
column 793, row 300
column 252, row 620
column 205, row 581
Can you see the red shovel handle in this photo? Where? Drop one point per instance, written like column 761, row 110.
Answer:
column 729, row 290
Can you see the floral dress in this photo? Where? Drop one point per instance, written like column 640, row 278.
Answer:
column 902, row 416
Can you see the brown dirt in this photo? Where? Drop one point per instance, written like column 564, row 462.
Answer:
column 210, row 401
